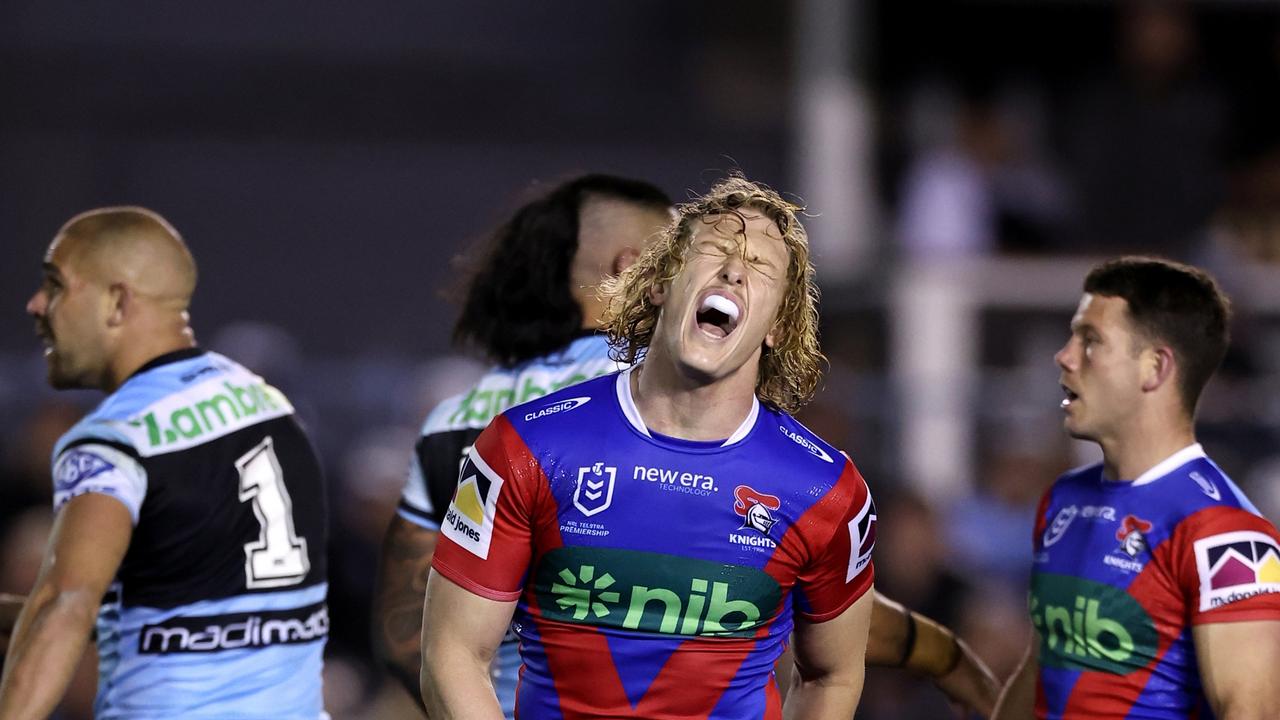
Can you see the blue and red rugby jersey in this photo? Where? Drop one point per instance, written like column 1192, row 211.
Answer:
column 655, row 577
column 1124, row 570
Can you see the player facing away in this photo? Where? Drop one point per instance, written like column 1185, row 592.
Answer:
column 1155, row 587
column 658, row 533
column 191, row 519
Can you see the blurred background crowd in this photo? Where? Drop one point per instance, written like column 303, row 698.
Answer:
column 964, row 162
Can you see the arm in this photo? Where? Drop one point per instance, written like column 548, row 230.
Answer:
column 1237, row 666
column 829, row 664
column 1018, row 699
column 398, row 598
column 89, row 540
column 461, row 632
column 901, row 638
column 10, row 606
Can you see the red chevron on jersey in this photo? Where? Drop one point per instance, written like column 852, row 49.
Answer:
column 657, row 577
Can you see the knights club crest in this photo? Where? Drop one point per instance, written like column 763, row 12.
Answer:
column 1132, row 535
column 594, row 492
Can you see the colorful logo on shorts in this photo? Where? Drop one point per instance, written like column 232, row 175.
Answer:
column 755, row 508
column 1236, row 565
column 1132, row 535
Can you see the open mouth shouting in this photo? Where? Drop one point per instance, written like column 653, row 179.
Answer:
column 717, row 315
column 1069, row 396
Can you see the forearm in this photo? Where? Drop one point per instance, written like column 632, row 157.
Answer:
column 10, row 606
column 399, row 591
column 457, row 685
column 46, row 647
column 833, row 698
column 1017, row 701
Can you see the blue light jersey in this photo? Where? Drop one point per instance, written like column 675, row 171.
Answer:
column 655, row 577
column 218, row 609
column 453, row 426
column 1124, row 570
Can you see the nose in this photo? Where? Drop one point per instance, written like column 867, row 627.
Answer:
column 36, row 305
column 733, row 271
column 1065, row 357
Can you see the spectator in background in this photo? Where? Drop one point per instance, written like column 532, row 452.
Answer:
column 1145, row 145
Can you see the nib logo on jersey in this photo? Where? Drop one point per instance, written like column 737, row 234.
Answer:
column 756, row 510
column 653, row 592
column 1133, row 542
column 1084, row 625
column 1236, row 565
column 469, row 520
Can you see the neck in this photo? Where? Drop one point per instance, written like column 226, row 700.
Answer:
column 672, row 403
column 1144, row 443
column 140, row 351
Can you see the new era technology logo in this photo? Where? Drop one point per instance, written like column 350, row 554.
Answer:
column 1236, row 565
column 594, row 493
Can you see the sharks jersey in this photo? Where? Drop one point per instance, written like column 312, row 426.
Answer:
column 655, row 577
column 218, row 609
column 452, row 428
column 1122, row 573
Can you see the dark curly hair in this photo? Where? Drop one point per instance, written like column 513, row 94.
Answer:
column 518, row 303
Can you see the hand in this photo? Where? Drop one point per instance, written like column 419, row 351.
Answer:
column 970, row 685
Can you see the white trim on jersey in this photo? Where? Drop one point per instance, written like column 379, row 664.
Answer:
column 1171, row 463
column 628, row 404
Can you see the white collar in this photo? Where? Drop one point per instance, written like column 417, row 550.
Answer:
column 1171, row 463
column 632, row 413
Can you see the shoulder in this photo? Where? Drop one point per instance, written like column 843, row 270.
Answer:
column 180, row 405
column 571, row 405
column 797, row 444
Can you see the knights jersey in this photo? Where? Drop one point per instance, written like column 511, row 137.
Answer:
column 218, row 607
column 1122, row 573
column 654, row 577
column 451, row 429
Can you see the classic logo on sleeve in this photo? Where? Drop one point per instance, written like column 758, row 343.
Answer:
column 862, row 538
column 1236, row 565
column 469, row 521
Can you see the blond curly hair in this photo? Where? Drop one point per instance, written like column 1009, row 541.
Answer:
column 791, row 369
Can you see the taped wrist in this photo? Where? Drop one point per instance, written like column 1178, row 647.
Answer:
column 934, row 649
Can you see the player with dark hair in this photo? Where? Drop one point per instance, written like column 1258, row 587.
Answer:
column 574, row 237
column 1155, row 587
column 532, row 307
column 191, row 519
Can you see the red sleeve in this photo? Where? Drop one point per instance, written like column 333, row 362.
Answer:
column 1228, row 566
column 1042, row 520
column 485, row 540
column 841, row 569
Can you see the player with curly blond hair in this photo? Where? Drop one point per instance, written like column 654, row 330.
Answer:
column 655, row 536
column 791, row 367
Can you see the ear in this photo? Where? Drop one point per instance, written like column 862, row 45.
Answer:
column 657, row 294
column 771, row 337
column 1157, row 367
column 623, row 260
column 118, row 299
